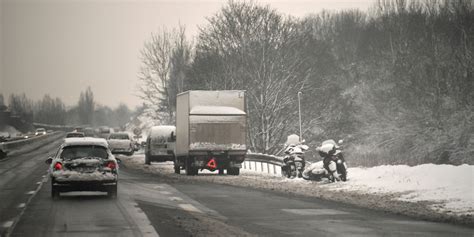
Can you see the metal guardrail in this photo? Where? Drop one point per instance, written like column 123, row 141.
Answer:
column 263, row 163
column 65, row 128
column 271, row 159
column 16, row 146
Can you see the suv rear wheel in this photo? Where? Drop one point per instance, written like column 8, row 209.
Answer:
column 54, row 191
column 112, row 192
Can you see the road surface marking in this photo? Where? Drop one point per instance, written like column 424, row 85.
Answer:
column 314, row 212
column 7, row 224
column 13, row 223
column 39, row 183
column 189, row 207
column 176, row 199
column 165, row 192
column 22, row 205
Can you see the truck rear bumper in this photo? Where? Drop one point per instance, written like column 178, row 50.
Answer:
column 217, row 153
column 213, row 162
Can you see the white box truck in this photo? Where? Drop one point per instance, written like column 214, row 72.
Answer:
column 211, row 131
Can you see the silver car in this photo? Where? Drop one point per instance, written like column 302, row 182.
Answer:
column 83, row 164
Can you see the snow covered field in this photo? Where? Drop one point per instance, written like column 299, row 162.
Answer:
column 432, row 192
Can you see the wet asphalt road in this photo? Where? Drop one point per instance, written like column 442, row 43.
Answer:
column 148, row 206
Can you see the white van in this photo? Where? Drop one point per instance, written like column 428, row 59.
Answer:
column 160, row 144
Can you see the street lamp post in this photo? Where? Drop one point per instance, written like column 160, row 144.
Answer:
column 299, row 112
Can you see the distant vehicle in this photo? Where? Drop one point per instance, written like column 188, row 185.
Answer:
column 4, row 136
column 3, row 152
column 78, row 129
column 40, row 131
column 160, row 144
column 74, row 134
column 89, row 132
column 121, row 143
column 210, row 131
column 104, row 132
column 83, row 164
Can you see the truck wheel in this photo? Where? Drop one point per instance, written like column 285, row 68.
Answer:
column 233, row 171
column 177, row 169
column 189, row 169
column 147, row 160
column 112, row 192
column 54, row 191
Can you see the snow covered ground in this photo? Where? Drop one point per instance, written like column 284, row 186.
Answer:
column 449, row 188
column 8, row 131
column 432, row 192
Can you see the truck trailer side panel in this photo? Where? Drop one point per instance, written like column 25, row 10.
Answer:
column 228, row 98
column 210, row 131
column 182, row 124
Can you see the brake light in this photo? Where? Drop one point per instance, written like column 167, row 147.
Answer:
column 111, row 165
column 58, row 166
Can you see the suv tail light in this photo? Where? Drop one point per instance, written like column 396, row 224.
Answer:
column 111, row 165
column 58, row 166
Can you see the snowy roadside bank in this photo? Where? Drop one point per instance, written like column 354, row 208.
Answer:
column 431, row 192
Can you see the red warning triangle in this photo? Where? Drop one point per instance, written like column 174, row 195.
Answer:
column 212, row 164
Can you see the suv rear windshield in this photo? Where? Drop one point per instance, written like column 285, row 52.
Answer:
column 119, row 136
column 77, row 152
column 75, row 135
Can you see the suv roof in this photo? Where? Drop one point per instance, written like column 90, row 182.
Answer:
column 81, row 141
column 161, row 131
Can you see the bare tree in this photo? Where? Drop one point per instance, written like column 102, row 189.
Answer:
column 21, row 106
column 50, row 111
column 86, row 106
column 251, row 47
column 164, row 59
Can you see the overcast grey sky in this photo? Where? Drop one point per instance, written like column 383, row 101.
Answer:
column 59, row 47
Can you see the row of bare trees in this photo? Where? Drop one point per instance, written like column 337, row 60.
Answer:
column 396, row 82
column 50, row 110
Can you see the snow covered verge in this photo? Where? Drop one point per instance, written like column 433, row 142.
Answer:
column 443, row 193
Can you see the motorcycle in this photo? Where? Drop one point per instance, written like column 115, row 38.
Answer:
column 294, row 161
column 333, row 160
column 315, row 172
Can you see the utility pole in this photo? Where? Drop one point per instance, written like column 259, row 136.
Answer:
column 299, row 112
